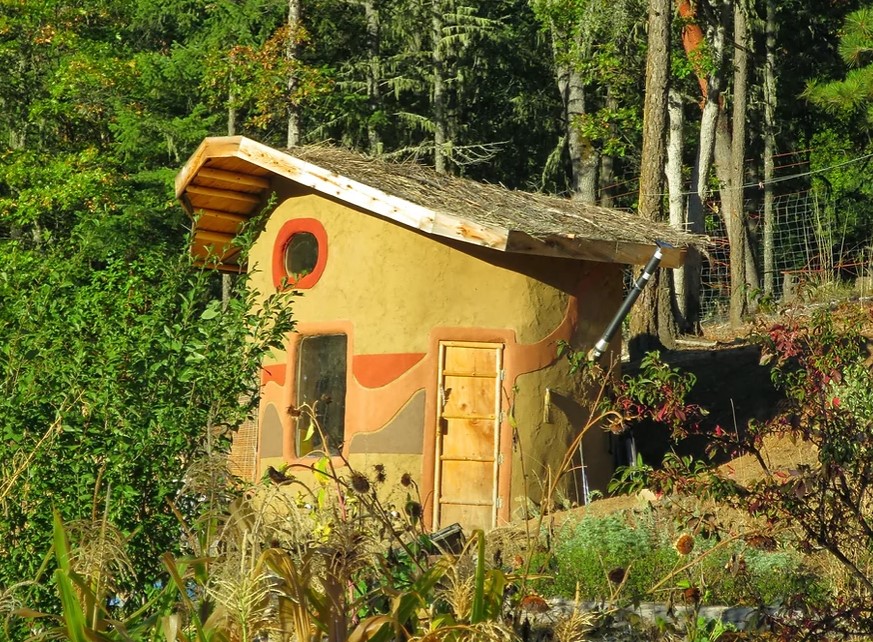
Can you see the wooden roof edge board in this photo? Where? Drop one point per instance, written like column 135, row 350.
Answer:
column 212, row 236
column 230, row 217
column 237, row 179
column 333, row 184
column 212, row 147
column 186, row 204
column 225, row 194
column 594, row 250
column 470, row 232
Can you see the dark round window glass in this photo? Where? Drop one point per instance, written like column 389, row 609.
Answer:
column 301, row 254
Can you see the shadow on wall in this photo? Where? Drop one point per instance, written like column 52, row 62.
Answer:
column 595, row 452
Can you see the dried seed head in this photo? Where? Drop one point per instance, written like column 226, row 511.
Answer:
column 380, row 473
column 406, row 479
column 413, row 509
column 685, row 544
column 360, row 483
column 691, row 595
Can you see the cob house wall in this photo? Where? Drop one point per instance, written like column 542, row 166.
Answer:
column 443, row 341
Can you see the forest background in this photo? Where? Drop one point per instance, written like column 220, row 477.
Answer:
column 119, row 368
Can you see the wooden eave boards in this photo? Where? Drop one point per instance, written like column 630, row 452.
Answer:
column 228, row 179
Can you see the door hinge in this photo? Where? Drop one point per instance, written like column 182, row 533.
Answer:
column 499, row 502
column 502, row 375
column 500, row 459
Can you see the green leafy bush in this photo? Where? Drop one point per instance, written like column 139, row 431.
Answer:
column 730, row 572
column 116, row 372
column 586, row 552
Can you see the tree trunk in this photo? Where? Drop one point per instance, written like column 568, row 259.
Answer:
column 673, row 173
column 585, row 160
column 438, row 91
column 655, row 111
column 769, row 145
column 583, row 155
column 696, row 223
column 692, row 40
column 717, row 142
column 652, row 322
column 374, row 74
column 735, row 213
column 292, row 54
column 712, row 105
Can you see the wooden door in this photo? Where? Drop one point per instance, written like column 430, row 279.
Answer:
column 468, row 431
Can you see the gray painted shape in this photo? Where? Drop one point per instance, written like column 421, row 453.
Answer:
column 271, row 433
column 402, row 435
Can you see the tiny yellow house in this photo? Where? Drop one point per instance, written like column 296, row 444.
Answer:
column 429, row 321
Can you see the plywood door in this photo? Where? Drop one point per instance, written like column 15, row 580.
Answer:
column 468, row 430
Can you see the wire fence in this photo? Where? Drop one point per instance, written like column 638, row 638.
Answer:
column 815, row 247
column 811, row 249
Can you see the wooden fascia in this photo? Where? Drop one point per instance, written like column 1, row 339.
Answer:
column 594, row 250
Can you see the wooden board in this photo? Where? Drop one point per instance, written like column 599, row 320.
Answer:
column 594, row 250
column 236, row 181
column 469, row 396
column 472, row 517
column 210, row 198
column 469, row 438
column 468, row 430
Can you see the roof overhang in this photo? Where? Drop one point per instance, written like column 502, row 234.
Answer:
column 229, row 179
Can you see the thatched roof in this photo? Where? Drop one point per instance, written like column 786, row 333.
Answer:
column 228, row 179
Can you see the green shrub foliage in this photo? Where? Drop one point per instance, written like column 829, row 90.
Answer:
column 117, row 371
column 639, row 548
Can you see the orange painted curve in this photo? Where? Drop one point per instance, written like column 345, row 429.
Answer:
column 378, row 370
column 274, row 373
column 283, row 238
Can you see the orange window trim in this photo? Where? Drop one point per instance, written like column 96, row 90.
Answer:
column 286, row 232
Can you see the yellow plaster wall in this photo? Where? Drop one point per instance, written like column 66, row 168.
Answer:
column 394, row 286
column 397, row 284
column 544, row 437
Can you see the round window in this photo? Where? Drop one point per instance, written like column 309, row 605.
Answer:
column 301, row 255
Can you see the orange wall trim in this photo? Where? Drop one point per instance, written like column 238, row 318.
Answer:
column 377, row 370
column 274, row 373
